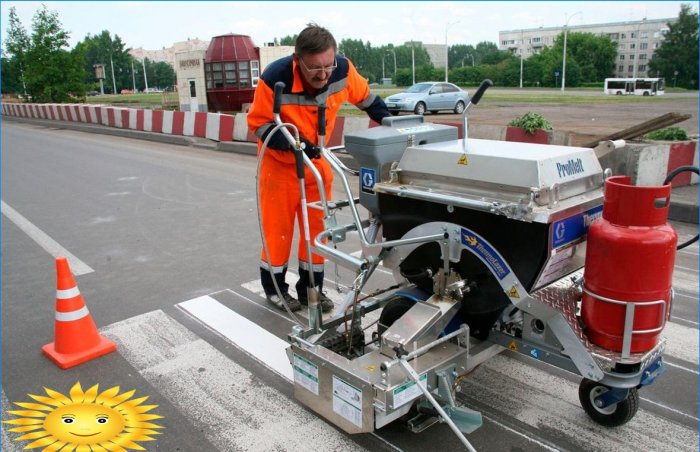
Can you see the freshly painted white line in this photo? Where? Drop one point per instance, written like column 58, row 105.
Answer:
column 6, row 443
column 674, row 318
column 680, row 413
column 682, row 342
column 692, row 371
column 232, row 407
column 248, row 336
column 52, row 247
column 521, row 434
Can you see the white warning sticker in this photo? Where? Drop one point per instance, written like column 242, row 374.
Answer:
column 306, row 373
column 347, row 401
column 409, row 391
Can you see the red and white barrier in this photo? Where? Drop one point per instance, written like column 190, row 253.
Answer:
column 654, row 160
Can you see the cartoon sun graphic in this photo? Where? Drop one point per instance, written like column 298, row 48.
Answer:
column 85, row 422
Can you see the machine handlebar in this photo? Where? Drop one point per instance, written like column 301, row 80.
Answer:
column 279, row 86
column 480, row 92
column 322, row 120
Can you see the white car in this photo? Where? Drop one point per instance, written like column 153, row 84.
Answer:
column 429, row 96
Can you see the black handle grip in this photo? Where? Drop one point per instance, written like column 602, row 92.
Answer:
column 322, row 120
column 279, row 86
column 480, row 92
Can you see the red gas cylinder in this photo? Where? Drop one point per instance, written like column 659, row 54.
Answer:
column 630, row 254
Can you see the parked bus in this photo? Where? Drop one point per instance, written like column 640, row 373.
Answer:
column 635, row 86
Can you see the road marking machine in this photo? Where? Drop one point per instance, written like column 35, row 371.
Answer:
column 493, row 245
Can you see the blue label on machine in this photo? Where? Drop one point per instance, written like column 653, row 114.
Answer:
column 487, row 254
column 367, row 180
column 573, row 228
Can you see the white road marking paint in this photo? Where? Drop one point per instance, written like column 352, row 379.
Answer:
column 6, row 441
column 521, row 434
column 119, row 193
column 545, row 401
column 661, row 405
column 52, row 247
column 248, row 336
column 692, row 371
column 682, row 342
column 673, row 317
column 233, row 409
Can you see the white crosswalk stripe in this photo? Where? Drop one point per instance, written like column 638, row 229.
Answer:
column 236, row 415
column 220, row 397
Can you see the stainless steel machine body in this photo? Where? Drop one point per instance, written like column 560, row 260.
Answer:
column 486, row 241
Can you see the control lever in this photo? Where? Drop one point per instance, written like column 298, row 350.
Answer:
column 473, row 101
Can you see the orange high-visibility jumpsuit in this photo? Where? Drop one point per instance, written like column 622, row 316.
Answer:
column 279, row 186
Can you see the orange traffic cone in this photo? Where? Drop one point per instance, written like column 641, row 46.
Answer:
column 76, row 339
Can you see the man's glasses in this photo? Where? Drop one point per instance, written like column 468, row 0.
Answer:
column 318, row 70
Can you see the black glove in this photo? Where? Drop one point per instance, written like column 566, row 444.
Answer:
column 311, row 150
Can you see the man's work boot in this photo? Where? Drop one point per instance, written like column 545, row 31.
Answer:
column 325, row 302
column 292, row 302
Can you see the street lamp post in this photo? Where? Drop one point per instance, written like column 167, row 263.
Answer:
column 394, row 54
column 563, row 68
column 447, row 53
column 413, row 63
column 145, row 77
column 522, row 51
column 114, row 83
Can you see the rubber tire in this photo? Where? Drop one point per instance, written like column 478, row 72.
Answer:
column 459, row 107
column 394, row 113
column 419, row 109
column 393, row 311
column 646, row 93
column 619, row 93
column 612, row 416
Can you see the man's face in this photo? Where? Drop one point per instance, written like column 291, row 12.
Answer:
column 317, row 68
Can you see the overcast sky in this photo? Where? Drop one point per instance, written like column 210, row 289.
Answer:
column 156, row 24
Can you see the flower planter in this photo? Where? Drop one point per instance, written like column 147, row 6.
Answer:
column 519, row 134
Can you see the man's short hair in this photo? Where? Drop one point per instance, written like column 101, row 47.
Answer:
column 314, row 39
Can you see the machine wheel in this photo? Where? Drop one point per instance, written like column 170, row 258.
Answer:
column 619, row 93
column 612, row 416
column 394, row 113
column 459, row 108
column 646, row 93
column 420, row 108
column 393, row 310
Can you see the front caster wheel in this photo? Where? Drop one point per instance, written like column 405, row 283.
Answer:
column 613, row 415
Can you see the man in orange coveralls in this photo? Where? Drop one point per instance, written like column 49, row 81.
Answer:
column 313, row 75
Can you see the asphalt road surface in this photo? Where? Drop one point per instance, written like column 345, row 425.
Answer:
column 164, row 242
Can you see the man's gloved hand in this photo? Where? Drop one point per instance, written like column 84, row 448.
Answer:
column 311, row 150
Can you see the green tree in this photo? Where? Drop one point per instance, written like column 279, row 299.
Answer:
column 678, row 52
column 111, row 52
column 52, row 73
column 17, row 45
column 11, row 76
column 594, row 55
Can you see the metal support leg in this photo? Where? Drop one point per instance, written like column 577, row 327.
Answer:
column 414, row 376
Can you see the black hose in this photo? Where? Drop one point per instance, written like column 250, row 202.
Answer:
column 669, row 178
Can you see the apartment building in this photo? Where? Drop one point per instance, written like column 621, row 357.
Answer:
column 636, row 42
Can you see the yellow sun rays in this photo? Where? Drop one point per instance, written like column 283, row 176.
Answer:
column 87, row 421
